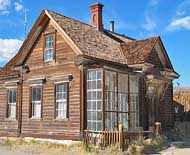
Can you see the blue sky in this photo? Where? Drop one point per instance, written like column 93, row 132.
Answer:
column 139, row 19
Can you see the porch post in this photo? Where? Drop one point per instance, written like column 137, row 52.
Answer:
column 82, row 100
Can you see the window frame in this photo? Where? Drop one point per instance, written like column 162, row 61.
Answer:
column 67, row 101
column 31, row 102
column 8, row 104
column 45, row 35
column 101, row 70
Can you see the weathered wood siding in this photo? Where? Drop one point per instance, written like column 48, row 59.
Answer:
column 8, row 127
column 168, row 109
column 154, row 59
column 48, row 126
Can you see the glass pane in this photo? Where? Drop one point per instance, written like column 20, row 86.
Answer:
column 49, row 41
column 88, row 105
column 123, row 83
column 61, row 100
column 49, row 55
column 10, row 96
column 38, row 93
column 14, row 96
column 94, row 100
column 13, row 111
column 134, row 84
column 34, row 94
column 98, row 105
column 36, row 109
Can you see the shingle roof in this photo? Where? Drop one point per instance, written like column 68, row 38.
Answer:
column 104, row 45
column 179, row 89
column 89, row 40
column 138, row 51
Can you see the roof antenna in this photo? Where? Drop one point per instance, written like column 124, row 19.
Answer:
column 25, row 23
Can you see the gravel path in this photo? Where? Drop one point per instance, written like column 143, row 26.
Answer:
column 176, row 148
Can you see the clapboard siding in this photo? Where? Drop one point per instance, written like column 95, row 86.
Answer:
column 48, row 125
column 154, row 59
column 7, row 126
column 168, row 108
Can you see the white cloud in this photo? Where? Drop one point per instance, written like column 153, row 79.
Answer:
column 180, row 13
column 150, row 23
column 18, row 6
column 4, row 5
column 183, row 22
column 8, row 48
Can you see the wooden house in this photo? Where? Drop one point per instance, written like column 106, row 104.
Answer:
column 69, row 76
column 181, row 99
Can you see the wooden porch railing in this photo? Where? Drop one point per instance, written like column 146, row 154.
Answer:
column 102, row 139
column 119, row 138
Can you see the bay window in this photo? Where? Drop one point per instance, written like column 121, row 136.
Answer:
column 94, row 98
column 121, row 100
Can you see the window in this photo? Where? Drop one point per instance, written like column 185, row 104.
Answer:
column 49, row 48
column 134, row 102
column 36, row 102
column 123, row 103
column 94, row 97
column 110, row 100
column 61, row 100
column 12, row 103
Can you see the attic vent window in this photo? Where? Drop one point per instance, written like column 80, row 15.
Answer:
column 49, row 48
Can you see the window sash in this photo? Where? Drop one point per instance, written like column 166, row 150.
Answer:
column 94, row 100
column 36, row 109
column 61, row 100
column 12, row 103
column 49, row 41
column 49, row 48
column 48, row 54
column 36, row 102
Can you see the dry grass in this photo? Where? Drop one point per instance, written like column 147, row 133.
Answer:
column 42, row 148
column 138, row 147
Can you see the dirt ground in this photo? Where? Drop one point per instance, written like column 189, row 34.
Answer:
column 33, row 148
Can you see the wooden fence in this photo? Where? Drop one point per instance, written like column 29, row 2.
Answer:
column 119, row 138
column 102, row 139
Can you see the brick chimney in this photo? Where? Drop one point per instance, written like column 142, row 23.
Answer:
column 96, row 16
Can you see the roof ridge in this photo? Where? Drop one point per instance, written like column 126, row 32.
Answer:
column 70, row 18
column 145, row 39
column 89, row 25
column 122, row 35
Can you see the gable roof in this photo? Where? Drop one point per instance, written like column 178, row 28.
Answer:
column 179, row 89
column 141, row 51
column 86, row 40
column 138, row 51
column 89, row 40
